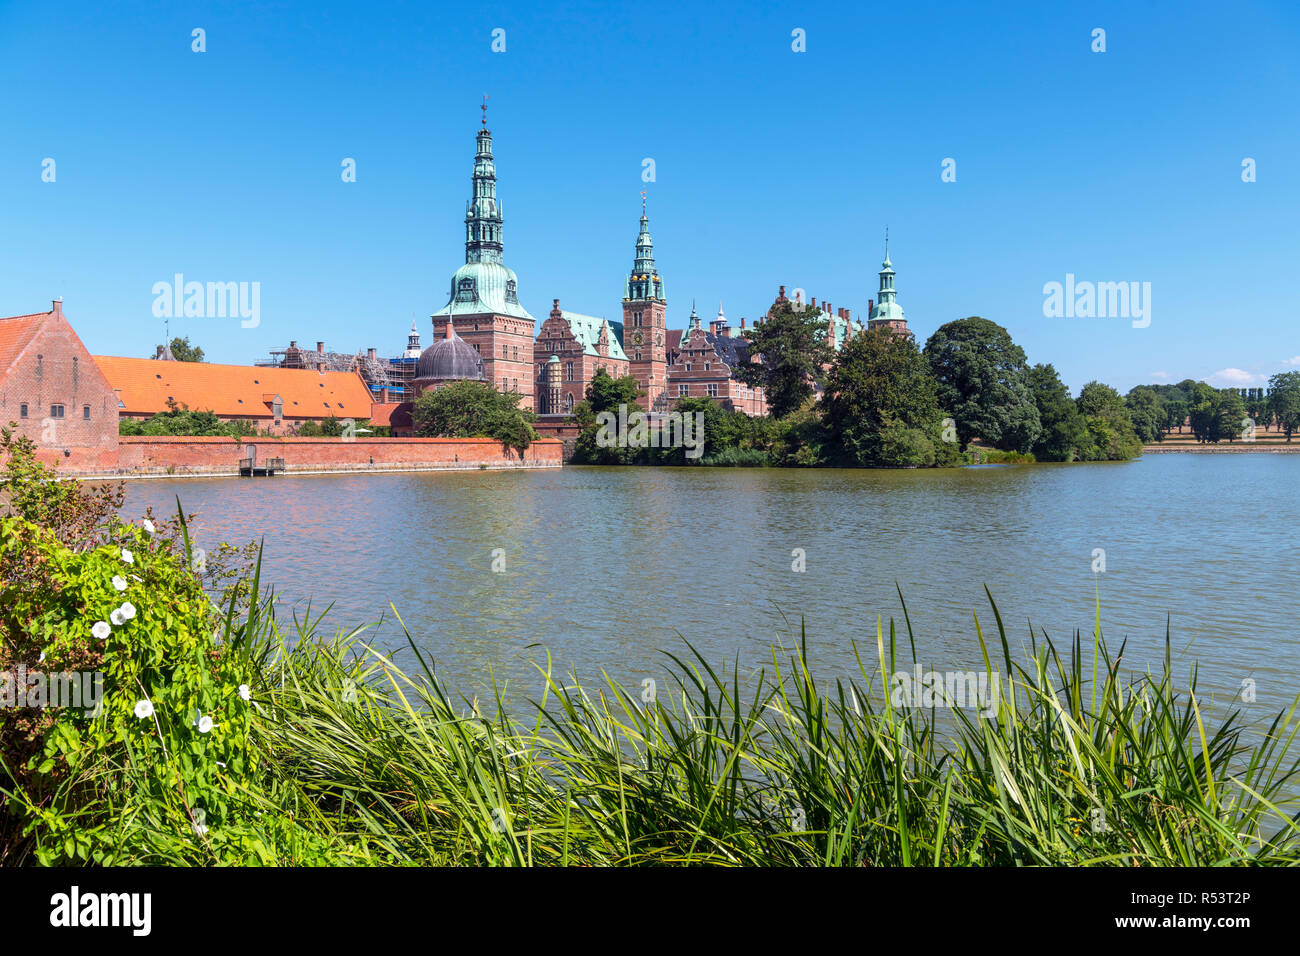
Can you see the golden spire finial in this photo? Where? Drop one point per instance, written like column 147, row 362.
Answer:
column 484, row 109
column 643, row 202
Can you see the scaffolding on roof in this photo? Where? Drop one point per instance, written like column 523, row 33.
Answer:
column 393, row 375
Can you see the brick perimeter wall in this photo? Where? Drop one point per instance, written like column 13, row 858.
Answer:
column 205, row 456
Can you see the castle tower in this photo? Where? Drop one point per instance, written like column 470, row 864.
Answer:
column 413, row 349
column 887, row 313
column 484, row 299
column 645, row 318
column 551, row 402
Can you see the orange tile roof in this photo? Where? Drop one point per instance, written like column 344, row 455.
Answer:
column 15, row 332
column 234, row 390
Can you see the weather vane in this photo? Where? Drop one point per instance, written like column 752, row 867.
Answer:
column 484, row 109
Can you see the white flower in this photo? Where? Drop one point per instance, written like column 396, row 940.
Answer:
column 147, row 525
column 143, row 709
column 200, row 829
column 245, row 692
column 117, row 618
column 119, row 583
column 127, row 610
column 128, row 557
column 205, row 724
column 42, row 658
column 101, row 630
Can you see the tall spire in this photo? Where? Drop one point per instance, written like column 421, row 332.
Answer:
column 887, row 311
column 484, row 224
column 644, row 281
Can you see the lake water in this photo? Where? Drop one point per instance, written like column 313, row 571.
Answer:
column 604, row 567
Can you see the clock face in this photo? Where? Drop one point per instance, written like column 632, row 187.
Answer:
column 637, row 338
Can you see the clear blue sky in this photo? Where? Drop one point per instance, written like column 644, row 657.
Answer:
column 772, row 166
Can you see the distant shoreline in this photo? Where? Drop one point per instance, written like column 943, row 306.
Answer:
column 1236, row 448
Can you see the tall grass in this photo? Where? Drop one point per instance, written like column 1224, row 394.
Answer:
column 1080, row 766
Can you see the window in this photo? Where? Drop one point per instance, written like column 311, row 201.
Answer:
column 568, row 402
column 568, row 372
column 515, row 385
column 688, row 366
column 56, row 411
column 713, row 390
column 683, row 390
column 85, row 411
column 516, row 353
column 706, row 366
column 22, row 410
column 476, row 348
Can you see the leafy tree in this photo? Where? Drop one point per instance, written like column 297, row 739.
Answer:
column 1216, row 414
column 332, row 427
column 1109, row 426
column 604, row 394
column 984, row 383
column 791, row 343
column 1147, row 410
column 179, row 419
column 182, row 351
column 880, row 405
column 1064, row 435
column 1284, row 401
column 469, row 409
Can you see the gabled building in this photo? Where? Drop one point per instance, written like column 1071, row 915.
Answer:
column 53, row 392
column 582, row 345
column 276, row 400
column 704, row 363
column 483, row 302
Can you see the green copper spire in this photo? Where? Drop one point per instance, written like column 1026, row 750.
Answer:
column 483, row 220
column 887, row 307
column 644, row 282
column 484, row 284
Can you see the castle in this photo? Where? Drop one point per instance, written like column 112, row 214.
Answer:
column 484, row 332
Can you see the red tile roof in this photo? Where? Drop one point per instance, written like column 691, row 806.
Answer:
column 15, row 332
column 234, row 390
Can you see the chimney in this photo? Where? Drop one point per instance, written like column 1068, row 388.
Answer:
column 742, row 323
column 814, row 302
column 370, row 354
column 293, row 344
column 781, row 294
column 555, row 308
column 320, row 347
column 383, row 395
column 57, row 308
column 871, row 307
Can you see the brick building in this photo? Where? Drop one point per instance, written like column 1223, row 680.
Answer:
column 703, row 363
column 645, row 316
column 484, row 299
column 276, row 400
column 583, row 345
column 53, row 392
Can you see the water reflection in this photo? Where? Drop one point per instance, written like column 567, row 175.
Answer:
column 604, row 567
